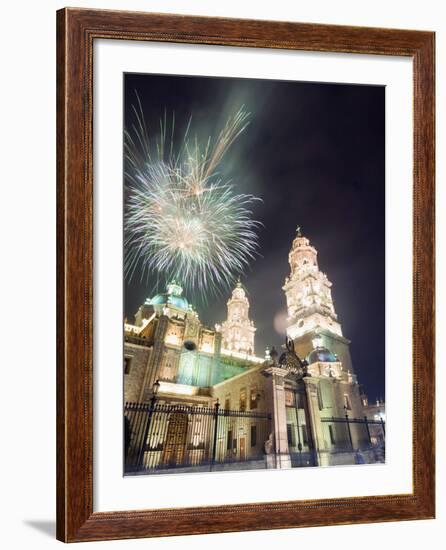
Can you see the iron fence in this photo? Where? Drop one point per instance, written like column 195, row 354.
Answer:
column 374, row 435
column 164, row 437
column 366, row 422
column 364, row 442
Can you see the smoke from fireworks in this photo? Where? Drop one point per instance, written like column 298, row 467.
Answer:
column 183, row 221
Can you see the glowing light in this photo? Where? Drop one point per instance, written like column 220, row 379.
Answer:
column 182, row 220
column 280, row 322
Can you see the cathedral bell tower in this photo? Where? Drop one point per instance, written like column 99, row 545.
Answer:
column 238, row 330
column 311, row 312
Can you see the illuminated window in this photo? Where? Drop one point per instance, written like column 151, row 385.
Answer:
column 290, row 435
column 289, row 398
column 253, row 398
column 347, row 402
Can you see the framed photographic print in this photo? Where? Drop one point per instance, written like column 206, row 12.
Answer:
column 245, row 275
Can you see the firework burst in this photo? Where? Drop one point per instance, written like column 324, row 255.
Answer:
column 182, row 220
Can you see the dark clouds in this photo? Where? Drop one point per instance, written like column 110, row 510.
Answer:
column 314, row 153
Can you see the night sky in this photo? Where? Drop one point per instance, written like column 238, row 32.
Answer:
column 315, row 154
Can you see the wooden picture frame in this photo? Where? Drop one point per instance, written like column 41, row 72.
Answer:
column 76, row 31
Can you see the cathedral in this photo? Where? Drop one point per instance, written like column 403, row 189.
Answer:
column 200, row 398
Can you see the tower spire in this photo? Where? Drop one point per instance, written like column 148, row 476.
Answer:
column 238, row 330
column 311, row 311
column 308, row 292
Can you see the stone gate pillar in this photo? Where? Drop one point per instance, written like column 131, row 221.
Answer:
column 280, row 456
column 314, row 417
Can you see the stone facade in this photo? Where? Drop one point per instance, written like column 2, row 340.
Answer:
column 243, row 392
column 302, row 409
column 136, row 364
column 246, row 393
column 180, row 349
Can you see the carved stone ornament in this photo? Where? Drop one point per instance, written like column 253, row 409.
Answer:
column 290, row 361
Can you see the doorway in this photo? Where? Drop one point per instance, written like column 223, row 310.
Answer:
column 175, row 446
column 242, row 449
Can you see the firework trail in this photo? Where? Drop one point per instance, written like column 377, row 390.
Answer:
column 182, row 221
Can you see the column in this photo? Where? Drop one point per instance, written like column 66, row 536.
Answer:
column 313, row 414
column 276, row 402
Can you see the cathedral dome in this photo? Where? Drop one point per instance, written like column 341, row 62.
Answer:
column 178, row 301
column 163, row 299
column 158, row 300
column 321, row 355
column 173, row 297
